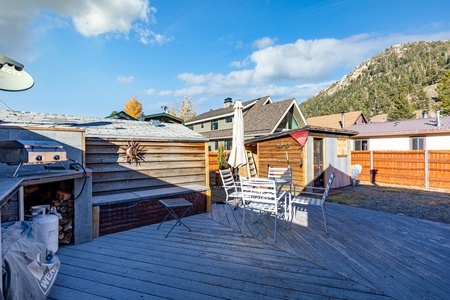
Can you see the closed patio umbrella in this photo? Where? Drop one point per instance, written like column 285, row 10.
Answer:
column 238, row 155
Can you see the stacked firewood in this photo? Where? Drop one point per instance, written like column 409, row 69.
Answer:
column 64, row 206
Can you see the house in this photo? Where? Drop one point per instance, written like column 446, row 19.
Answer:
column 420, row 114
column 417, row 134
column 262, row 116
column 312, row 152
column 163, row 117
column 132, row 164
column 338, row 121
column 121, row 115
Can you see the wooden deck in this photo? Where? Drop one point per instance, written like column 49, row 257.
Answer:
column 366, row 255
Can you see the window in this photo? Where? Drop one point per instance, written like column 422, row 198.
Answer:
column 417, row 143
column 215, row 125
column 216, row 145
column 229, row 119
column 288, row 121
column 191, row 127
column 361, row 145
column 202, row 125
column 227, row 145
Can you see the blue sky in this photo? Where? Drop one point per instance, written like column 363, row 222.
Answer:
column 89, row 57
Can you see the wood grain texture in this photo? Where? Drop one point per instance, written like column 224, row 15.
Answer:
column 366, row 255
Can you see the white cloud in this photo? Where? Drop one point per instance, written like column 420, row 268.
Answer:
column 150, row 92
column 264, row 42
column 148, row 37
column 298, row 70
column 19, row 28
column 125, row 79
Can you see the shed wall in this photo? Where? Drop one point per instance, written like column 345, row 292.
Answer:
column 162, row 164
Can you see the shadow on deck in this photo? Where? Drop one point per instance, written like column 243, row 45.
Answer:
column 366, row 255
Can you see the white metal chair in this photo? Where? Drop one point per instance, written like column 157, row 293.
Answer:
column 261, row 194
column 283, row 180
column 232, row 189
column 308, row 195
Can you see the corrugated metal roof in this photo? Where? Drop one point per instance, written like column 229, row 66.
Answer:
column 102, row 127
column 405, row 127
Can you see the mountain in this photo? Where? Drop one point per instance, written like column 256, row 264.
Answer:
column 374, row 86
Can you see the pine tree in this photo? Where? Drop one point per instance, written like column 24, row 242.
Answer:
column 221, row 158
column 402, row 109
column 443, row 90
column 134, row 108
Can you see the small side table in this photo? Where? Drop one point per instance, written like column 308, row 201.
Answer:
column 171, row 205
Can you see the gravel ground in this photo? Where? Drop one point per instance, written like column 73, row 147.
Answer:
column 432, row 205
column 427, row 204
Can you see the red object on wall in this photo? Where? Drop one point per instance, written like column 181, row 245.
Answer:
column 300, row 136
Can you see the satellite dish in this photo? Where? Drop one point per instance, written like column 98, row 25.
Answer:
column 12, row 76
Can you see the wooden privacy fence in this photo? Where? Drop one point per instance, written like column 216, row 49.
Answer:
column 424, row 168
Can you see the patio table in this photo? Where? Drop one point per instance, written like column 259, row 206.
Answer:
column 171, row 205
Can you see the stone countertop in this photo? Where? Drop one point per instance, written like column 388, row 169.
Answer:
column 10, row 185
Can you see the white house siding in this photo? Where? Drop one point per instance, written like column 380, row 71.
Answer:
column 437, row 143
column 331, row 161
column 393, row 143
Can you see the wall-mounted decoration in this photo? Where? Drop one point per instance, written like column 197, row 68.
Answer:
column 341, row 147
column 133, row 153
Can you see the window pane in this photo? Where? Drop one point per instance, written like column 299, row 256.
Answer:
column 214, row 125
column 364, row 145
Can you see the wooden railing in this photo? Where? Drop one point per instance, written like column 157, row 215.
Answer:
column 424, row 168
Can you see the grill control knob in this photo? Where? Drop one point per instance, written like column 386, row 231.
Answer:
column 39, row 157
column 56, row 157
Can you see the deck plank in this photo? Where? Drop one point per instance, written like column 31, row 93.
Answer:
column 366, row 255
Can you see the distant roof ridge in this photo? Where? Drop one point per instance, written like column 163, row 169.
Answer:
column 408, row 126
column 221, row 111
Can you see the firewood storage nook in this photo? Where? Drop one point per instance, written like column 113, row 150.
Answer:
column 130, row 166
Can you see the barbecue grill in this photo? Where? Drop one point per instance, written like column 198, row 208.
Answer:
column 31, row 152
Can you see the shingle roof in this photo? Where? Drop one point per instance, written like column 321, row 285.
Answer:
column 265, row 116
column 418, row 126
column 101, row 127
column 261, row 119
column 212, row 114
column 334, row 121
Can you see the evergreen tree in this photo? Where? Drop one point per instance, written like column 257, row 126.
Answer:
column 443, row 90
column 402, row 109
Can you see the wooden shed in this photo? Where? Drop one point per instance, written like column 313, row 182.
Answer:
column 324, row 150
column 133, row 165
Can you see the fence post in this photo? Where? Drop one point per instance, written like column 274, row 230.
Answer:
column 371, row 172
column 427, row 167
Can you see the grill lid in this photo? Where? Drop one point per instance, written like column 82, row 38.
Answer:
column 31, row 151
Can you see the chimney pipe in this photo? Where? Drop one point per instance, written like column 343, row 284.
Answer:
column 438, row 119
column 343, row 120
column 227, row 102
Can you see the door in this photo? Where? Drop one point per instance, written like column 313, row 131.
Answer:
column 318, row 162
